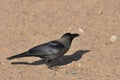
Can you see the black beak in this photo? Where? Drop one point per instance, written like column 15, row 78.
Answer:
column 75, row 35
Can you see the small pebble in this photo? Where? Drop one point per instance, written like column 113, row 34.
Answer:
column 1, row 63
column 7, row 79
column 32, row 14
column 79, row 64
column 81, row 30
column 73, row 72
column 113, row 38
column 70, row 28
column 119, row 15
column 99, row 63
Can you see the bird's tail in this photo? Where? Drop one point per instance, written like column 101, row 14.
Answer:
column 25, row 54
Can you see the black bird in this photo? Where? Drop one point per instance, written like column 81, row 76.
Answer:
column 51, row 50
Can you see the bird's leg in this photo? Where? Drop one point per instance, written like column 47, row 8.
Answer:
column 49, row 64
column 50, row 67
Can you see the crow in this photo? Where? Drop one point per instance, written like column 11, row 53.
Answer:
column 49, row 51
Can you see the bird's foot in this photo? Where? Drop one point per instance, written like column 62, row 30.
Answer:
column 49, row 65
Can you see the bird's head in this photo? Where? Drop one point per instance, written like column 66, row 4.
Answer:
column 70, row 35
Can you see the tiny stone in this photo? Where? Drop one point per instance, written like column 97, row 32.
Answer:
column 99, row 63
column 2, row 63
column 79, row 64
column 70, row 28
column 33, row 14
column 73, row 72
column 113, row 38
column 119, row 15
column 81, row 30
column 7, row 79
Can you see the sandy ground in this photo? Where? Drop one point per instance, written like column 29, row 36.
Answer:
column 27, row 23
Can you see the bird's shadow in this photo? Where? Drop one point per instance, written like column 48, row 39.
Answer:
column 61, row 61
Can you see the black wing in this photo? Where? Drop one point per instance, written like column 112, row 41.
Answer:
column 53, row 47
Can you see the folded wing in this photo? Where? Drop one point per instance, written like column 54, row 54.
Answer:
column 50, row 48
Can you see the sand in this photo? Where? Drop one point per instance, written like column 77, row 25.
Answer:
column 27, row 23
